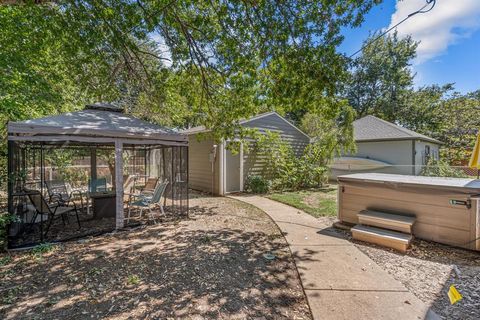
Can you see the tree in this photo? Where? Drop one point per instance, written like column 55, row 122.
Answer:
column 105, row 47
column 446, row 115
column 458, row 127
column 421, row 110
column 331, row 129
column 381, row 79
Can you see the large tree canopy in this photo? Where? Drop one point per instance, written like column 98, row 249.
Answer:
column 240, row 56
column 381, row 78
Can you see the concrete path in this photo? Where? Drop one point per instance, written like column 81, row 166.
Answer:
column 339, row 280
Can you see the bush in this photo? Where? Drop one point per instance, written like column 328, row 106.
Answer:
column 440, row 168
column 257, row 184
column 5, row 220
column 285, row 170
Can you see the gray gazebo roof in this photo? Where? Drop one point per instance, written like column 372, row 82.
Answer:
column 371, row 128
column 94, row 123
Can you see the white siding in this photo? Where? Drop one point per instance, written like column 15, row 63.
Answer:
column 420, row 154
column 253, row 163
column 397, row 153
column 200, row 168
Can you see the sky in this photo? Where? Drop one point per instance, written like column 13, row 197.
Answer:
column 449, row 35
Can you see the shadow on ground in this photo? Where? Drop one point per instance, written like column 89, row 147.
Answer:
column 211, row 265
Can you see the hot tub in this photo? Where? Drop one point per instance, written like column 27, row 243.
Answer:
column 446, row 209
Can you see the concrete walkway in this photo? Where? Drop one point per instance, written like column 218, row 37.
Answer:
column 339, row 280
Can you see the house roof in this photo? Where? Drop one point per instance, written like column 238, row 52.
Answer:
column 203, row 129
column 94, row 122
column 371, row 128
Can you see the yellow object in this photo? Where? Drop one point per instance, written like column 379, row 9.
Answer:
column 475, row 159
column 454, row 295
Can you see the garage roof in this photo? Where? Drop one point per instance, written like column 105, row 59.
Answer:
column 203, row 129
column 371, row 128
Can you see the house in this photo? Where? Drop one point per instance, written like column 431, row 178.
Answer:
column 213, row 168
column 385, row 147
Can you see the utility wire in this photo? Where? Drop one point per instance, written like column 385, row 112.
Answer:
column 421, row 10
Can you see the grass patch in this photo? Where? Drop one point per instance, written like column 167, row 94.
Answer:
column 133, row 280
column 5, row 260
column 318, row 203
column 43, row 248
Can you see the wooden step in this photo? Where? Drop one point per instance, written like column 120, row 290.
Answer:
column 386, row 220
column 387, row 238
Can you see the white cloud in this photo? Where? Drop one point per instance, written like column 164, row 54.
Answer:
column 446, row 24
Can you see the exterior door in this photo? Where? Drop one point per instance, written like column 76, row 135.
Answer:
column 232, row 171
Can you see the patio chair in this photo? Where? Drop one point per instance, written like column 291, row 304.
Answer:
column 61, row 192
column 150, row 185
column 51, row 211
column 128, row 186
column 147, row 202
column 97, row 185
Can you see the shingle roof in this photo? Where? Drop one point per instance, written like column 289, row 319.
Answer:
column 203, row 129
column 371, row 128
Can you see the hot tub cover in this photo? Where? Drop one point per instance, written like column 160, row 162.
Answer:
column 441, row 182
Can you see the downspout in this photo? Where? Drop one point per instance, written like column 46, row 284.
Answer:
column 213, row 159
column 414, row 171
column 221, row 169
column 241, row 166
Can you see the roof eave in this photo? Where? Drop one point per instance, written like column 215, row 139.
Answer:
column 18, row 128
column 399, row 139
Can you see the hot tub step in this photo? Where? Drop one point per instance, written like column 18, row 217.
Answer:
column 387, row 238
column 386, row 220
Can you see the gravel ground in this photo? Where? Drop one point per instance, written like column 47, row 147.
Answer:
column 212, row 265
column 428, row 269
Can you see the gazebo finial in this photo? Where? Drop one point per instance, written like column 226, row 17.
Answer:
column 103, row 106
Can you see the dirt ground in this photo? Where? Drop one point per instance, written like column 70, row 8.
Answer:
column 212, row 265
column 427, row 270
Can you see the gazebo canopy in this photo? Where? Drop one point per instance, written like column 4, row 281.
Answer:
column 97, row 123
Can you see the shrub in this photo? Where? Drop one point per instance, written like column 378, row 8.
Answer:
column 5, row 220
column 257, row 184
column 285, row 170
column 440, row 168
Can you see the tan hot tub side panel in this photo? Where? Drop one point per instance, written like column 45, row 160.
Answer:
column 436, row 218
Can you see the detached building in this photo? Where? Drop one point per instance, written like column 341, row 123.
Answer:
column 213, row 168
column 387, row 148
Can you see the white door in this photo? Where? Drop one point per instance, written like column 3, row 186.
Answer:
column 232, row 171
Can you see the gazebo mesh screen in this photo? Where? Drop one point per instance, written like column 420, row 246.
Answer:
column 49, row 184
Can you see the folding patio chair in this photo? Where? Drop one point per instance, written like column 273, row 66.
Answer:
column 128, row 186
column 59, row 191
column 51, row 211
column 146, row 201
column 150, row 185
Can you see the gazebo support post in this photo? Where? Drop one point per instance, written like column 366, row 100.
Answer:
column 93, row 163
column 119, row 222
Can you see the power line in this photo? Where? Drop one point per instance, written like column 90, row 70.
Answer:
column 430, row 3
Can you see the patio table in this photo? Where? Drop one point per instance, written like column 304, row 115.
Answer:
column 103, row 204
